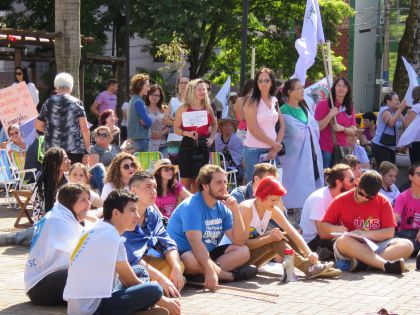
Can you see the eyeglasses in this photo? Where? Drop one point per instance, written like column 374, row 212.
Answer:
column 168, row 169
column 155, row 95
column 183, row 82
column 18, row 73
column 102, row 135
column 417, row 173
column 128, row 166
column 360, row 193
column 266, row 81
column 14, row 133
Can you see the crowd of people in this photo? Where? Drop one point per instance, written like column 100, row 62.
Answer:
column 179, row 221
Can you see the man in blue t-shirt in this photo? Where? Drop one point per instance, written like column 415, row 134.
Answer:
column 198, row 224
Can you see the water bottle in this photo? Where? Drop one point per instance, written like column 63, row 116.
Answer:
column 288, row 266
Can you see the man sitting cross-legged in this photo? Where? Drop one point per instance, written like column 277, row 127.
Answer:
column 92, row 285
column 339, row 179
column 365, row 212
column 149, row 244
column 199, row 223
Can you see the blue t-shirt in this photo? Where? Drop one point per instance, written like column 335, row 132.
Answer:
column 193, row 214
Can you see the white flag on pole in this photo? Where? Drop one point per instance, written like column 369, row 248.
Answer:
column 223, row 97
column 312, row 34
column 413, row 81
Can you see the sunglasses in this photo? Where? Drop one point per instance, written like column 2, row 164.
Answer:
column 362, row 194
column 128, row 166
column 168, row 169
column 18, row 73
column 102, row 135
column 266, row 81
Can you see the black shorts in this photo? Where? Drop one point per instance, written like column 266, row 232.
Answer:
column 218, row 251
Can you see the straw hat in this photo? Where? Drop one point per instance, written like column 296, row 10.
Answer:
column 163, row 163
column 222, row 121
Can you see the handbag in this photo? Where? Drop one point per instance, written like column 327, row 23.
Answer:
column 387, row 139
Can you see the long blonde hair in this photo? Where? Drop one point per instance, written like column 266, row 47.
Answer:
column 190, row 97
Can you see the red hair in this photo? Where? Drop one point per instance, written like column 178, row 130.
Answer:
column 269, row 186
column 105, row 114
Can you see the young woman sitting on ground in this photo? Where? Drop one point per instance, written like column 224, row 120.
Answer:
column 79, row 174
column 54, row 239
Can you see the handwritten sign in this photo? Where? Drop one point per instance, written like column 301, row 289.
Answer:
column 195, row 119
column 16, row 105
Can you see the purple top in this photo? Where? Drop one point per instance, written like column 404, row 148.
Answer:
column 106, row 101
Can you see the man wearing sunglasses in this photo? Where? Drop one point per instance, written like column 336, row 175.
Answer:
column 339, row 179
column 365, row 212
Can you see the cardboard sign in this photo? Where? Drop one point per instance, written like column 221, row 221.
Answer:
column 195, row 119
column 16, row 105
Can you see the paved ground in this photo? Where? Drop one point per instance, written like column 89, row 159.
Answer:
column 353, row 293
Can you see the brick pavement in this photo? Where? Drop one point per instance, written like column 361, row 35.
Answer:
column 353, row 293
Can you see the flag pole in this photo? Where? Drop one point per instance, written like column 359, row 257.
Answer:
column 327, row 69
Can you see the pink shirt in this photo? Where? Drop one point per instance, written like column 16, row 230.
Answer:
column 266, row 120
column 409, row 210
column 325, row 140
column 168, row 203
column 106, row 101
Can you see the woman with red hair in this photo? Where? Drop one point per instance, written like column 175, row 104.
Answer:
column 109, row 118
column 264, row 244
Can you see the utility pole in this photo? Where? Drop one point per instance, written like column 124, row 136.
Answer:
column 244, row 41
column 387, row 17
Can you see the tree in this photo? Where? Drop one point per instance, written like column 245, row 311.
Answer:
column 408, row 48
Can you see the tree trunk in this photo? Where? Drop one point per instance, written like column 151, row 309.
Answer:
column 407, row 48
column 67, row 47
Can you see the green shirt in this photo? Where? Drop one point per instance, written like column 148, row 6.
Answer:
column 297, row 113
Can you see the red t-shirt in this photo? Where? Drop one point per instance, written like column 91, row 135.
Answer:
column 372, row 215
column 325, row 138
column 202, row 131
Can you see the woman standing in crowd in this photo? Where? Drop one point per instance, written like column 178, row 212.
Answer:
column 103, row 151
column 123, row 125
column 121, row 169
column 390, row 122
column 16, row 142
column 54, row 240
column 63, row 120
column 389, row 174
column 301, row 140
column 158, row 130
column 21, row 75
column 176, row 102
column 109, row 119
column 262, row 114
column 138, row 118
column 343, row 110
column 264, row 245
column 55, row 164
column 79, row 174
column 196, row 141
column 239, row 108
column 170, row 192
column 411, row 135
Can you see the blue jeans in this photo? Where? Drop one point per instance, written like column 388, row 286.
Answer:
column 142, row 145
column 327, row 158
column 97, row 178
column 128, row 300
column 252, row 157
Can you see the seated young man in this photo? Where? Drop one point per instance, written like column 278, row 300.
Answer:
column 198, row 224
column 365, row 212
column 339, row 179
column 92, row 284
column 407, row 211
column 149, row 241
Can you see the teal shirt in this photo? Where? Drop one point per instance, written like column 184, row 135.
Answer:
column 297, row 113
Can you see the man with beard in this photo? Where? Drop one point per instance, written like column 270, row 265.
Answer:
column 198, row 224
column 339, row 179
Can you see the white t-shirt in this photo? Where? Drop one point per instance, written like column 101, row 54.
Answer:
column 54, row 239
column 391, row 195
column 175, row 104
column 108, row 187
column 313, row 210
column 124, row 107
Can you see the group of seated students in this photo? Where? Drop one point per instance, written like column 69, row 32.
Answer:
column 170, row 236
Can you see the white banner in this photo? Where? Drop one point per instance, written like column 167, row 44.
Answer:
column 414, row 81
column 223, row 97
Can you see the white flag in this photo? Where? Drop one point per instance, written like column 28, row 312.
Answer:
column 413, row 81
column 312, row 34
column 223, row 97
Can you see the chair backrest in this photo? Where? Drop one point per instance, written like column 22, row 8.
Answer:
column 148, row 159
column 41, row 148
column 17, row 160
column 6, row 173
column 217, row 158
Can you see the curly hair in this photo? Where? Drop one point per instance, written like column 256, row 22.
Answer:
column 137, row 82
column 113, row 174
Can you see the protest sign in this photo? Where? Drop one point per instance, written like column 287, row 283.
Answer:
column 315, row 93
column 16, row 105
column 195, row 119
